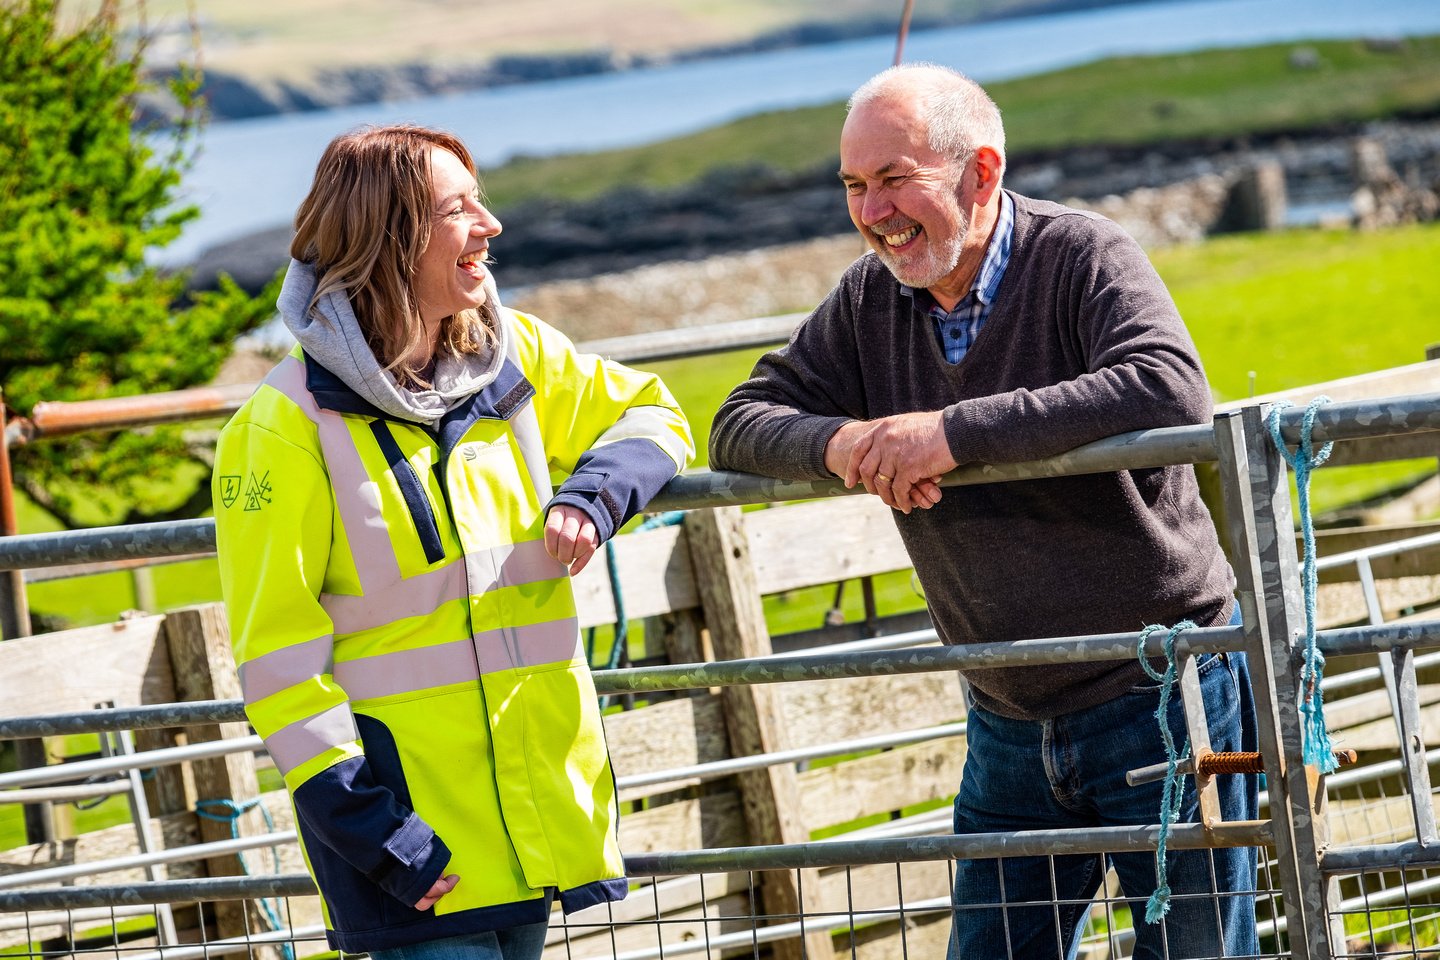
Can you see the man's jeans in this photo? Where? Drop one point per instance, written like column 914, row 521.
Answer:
column 1070, row 772
column 513, row 943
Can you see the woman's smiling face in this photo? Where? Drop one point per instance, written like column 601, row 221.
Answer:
column 450, row 274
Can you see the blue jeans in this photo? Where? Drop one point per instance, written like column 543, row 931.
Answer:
column 1070, row 772
column 512, row 943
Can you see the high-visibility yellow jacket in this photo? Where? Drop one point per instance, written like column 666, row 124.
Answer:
column 408, row 649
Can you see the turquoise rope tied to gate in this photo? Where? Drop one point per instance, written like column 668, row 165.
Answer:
column 229, row 811
column 1171, row 797
column 622, row 623
column 1318, row 749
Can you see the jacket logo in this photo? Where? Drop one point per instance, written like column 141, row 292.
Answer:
column 229, row 489
column 257, row 491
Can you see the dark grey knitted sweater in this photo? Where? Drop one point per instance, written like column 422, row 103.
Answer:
column 1082, row 342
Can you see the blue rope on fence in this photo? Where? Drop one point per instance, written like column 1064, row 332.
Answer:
column 1318, row 749
column 1173, row 794
column 230, row 811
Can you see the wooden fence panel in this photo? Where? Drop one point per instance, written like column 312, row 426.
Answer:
column 73, row 670
column 830, row 711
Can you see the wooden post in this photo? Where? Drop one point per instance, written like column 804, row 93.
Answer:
column 1432, row 352
column 199, row 643
column 730, row 597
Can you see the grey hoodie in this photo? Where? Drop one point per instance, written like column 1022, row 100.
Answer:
column 331, row 335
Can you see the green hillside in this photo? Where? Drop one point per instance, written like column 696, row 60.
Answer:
column 1128, row 100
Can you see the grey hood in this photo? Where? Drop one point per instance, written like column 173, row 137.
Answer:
column 331, row 335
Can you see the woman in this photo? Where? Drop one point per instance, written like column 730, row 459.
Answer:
column 394, row 562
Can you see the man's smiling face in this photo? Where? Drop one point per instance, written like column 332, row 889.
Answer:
column 908, row 201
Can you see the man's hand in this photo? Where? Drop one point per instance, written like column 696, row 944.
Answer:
column 438, row 889
column 570, row 536
column 900, row 459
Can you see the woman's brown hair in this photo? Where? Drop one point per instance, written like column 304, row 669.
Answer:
column 363, row 226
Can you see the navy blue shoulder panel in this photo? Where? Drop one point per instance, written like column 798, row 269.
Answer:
column 501, row 397
column 332, row 393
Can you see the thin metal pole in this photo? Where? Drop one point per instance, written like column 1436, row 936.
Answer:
column 66, row 794
column 14, row 623
column 903, row 33
column 128, row 761
column 196, row 851
column 14, row 611
column 140, row 813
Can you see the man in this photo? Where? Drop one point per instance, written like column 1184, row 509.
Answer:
column 989, row 327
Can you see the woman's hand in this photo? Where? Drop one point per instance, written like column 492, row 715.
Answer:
column 437, row 890
column 570, row 536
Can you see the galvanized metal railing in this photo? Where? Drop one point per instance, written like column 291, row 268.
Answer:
column 1258, row 525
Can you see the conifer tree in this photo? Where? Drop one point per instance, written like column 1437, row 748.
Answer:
column 85, row 192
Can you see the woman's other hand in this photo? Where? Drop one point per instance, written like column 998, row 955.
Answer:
column 570, row 536
column 437, row 890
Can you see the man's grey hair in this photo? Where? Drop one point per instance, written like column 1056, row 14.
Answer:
column 959, row 115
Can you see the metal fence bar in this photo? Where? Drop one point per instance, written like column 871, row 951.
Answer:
column 1118, row 646
column 232, row 945
column 67, row 917
column 1246, row 833
column 786, row 668
column 167, row 756
column 1144, row 448
column 67, row 794
column 1378, row 550
column 1387, row 856
column 186, row 854
column 1355, row 678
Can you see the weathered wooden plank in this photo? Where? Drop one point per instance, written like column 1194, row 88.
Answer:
column 829, row 711
column 663, row 736
column 882, row 782
column 1344, row 715
column 713, row 820
column 1380, row 734
column 823, row 541
column 124, row 662
column 730, row 597
column 1342, row 603
column 655, row 575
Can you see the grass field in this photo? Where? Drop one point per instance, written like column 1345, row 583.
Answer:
column 1215, row 93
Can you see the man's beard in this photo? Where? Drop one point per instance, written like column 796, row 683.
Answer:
column 929, row 268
